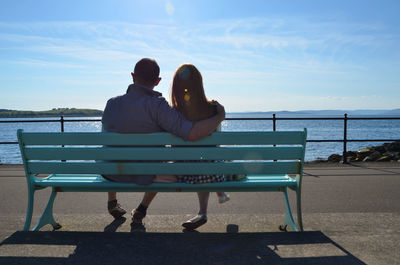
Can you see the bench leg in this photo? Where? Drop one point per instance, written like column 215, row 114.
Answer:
column 289, row 221
column 29, row 210
column 299, row 215
column 47, row 217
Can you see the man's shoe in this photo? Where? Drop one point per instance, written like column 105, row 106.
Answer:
column 195, row 222
column 114, row 208
column 137, row 227
column 137, row 216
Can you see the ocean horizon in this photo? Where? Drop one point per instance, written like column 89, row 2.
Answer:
column 281, row 113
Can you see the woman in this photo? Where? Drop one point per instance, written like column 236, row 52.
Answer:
column 188, row 97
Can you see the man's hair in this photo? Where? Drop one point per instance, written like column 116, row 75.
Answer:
column 147, row 70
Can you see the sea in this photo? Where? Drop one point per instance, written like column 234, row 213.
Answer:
column 317, row 130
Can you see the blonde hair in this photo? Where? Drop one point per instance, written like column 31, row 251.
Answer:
column 187, row 94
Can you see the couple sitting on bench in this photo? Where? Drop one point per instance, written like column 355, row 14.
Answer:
column 143, row 110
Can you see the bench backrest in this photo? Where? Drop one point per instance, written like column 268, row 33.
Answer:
column 251, row 153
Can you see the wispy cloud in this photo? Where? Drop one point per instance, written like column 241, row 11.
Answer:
column 259, row 37
column 45, row 63
column 281, row 54
column 169, row 8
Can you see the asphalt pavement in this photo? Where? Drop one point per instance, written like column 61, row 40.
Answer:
column 351, row 215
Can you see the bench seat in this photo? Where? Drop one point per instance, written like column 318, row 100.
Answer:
column 96, row 183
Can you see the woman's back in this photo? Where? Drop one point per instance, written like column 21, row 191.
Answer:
column 199, row 112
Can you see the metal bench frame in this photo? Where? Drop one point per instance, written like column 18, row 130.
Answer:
column 76, row 161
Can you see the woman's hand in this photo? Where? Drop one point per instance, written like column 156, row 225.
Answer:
column 220, row 110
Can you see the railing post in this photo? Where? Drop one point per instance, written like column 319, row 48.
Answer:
column 345, row 139
column 62, row 123
column 62, row 130
column 274, row 126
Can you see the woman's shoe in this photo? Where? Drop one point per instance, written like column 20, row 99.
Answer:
column 223, row 198
column 195, row 222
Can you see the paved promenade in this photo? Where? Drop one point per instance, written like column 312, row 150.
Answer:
column 351, row 216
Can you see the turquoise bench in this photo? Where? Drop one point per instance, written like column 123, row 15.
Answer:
column 75, row 161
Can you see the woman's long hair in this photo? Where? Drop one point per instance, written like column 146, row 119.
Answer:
column 187, row 94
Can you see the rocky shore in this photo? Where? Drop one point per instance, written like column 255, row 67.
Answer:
column 381, row 153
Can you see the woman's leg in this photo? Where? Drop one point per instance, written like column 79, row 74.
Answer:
column 203, row 202
column 201, row 218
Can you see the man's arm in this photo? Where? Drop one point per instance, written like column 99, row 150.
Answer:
column 206, row 127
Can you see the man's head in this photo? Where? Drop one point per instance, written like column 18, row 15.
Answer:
column 146, row 73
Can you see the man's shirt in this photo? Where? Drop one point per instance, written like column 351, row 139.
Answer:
column 143, row 110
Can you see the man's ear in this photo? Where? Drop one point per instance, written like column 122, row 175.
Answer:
column 133, row 77
column 157, row 81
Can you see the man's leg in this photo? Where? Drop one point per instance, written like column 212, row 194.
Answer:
column 114, row 208
column 140, row 212
column 112, row 196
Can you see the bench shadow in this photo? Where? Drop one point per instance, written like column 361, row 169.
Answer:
column 66, row 247
column 310, row 175
column 114, row 225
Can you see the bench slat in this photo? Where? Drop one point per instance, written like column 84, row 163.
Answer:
column 162, row 153
column 97, row 183
column 60, row 178
column 217, row 138
column 195, row 168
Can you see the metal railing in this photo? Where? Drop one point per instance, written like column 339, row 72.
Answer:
column 274, row 119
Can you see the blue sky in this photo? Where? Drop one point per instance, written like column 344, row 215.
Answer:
column 254, row 55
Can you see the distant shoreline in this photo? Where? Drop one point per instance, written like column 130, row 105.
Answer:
column 67, row 112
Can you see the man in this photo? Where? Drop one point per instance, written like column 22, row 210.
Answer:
column 143, row 110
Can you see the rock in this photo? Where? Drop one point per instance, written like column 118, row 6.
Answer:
column 372, row 157
column 393, row 155
column 394, row 146
column 384, row 158
column 366, row 151
column 335, row 158
column 379, row 148
column 351, row 156
column 363, row 153
column 320, row 160
column 384, row 152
